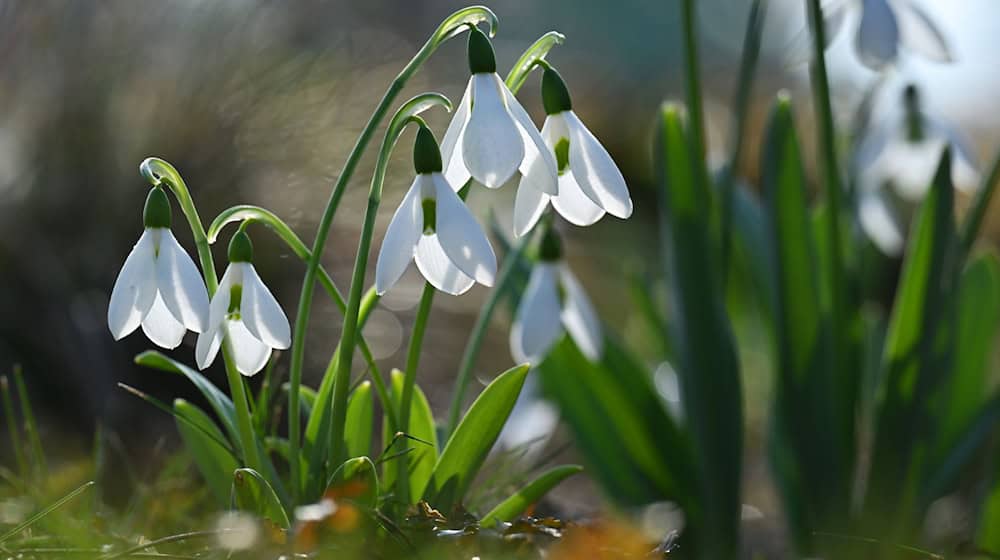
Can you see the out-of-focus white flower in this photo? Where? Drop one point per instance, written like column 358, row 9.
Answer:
column 554, row 302
column 491, row 136
column 902, row 153
column 433, row 227
column 159, row 286
column 590, row 183
column 237, row 531
column 244, row 311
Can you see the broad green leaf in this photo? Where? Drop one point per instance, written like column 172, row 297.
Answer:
column 355, row 479
column 360, row 418
column 220, row 403
column 214, row 461
column 475, row 435
column 422, row 427
column 251, row 492
column 520, row 501
column 707, row 366
column 916, row 357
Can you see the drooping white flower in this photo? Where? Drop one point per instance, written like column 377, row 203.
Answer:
column 244, row 311
column 491, row 136
column 553, row 303
column 883, row 26
column 433, row 227
column 159, row 286
column 896, row 162
column 590, row 183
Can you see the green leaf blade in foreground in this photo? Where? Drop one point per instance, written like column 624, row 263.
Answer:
column 475, row 435
column 215, row 462
column 707, row 365
column 423, row 457
column 251, row 492
column 520, row 501
column 360, row 418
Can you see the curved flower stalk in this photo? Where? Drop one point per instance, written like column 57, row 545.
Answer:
column 886, row 26
column 553, row 303
column 491, row 136
column 896, row 162
column 433, row 227
column 244, row 312
column 589, row 182
column 159, row 286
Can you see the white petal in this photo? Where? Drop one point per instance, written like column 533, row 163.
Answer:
column 261, row 314
column 579, row 317
column 492, row 145
column 910, row 166
column 161, row 327
column 135, row 288
column 965, row 167
column 595, row 171
column 537, row 324
column 180, row 284
column 878, row 34
column 878, row 221
column 438, row 269
column 400, row 239
column 461, row 236
column 800, row 48
column 219, row 306
column 451, row 145
column 920, row 34
column 536, row 151
column 208, row 346
column 529, row 204
column 573, row 204
column 249, row 353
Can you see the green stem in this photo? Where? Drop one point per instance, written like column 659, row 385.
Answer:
column 409, row 381
column 693, row 88
column 452, row 26
column 158, row 171
column 30, row 426
column 828, row 161
column 510, row 262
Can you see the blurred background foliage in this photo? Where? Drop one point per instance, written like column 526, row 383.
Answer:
column 259, row 101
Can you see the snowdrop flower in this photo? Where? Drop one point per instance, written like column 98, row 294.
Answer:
column 896, row 162
column 433, row 227
column 886, row 25
column 159, row 286
column 244, row 311
column 553, row 303
column 590, row 183
column 491, row 136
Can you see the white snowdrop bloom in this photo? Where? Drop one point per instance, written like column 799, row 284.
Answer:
column 491, row 136
column 433, row 227
column 590, row 183
column 159, row 286
column 883, row 26
column 554, row 302
column 902, row 153
column 244, row 311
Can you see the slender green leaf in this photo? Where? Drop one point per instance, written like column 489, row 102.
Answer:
column 360, row 418
column 357, row 480
column 201, row 438
column 475, row 435
column 520, row 501
column 422, row 456
column 251, row 492
column 27, row 523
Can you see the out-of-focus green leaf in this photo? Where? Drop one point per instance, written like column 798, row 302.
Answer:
column 809, row 445
column 355, row 479
column 214, row 461
column 360, row 418
column 707, row 364
column 252, row 492
column 521, row 500
column 307, row 397
column 424, row 446
column 917, row 355
column 475, row 435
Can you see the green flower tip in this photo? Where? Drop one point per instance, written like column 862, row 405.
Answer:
column 913, row 121
column 481, row 55
column 240, row 248
column 555, row 96
column 426, row 154
column 550, row 246
column 156, row 213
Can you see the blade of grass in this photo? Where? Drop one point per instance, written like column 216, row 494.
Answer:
column 981, row 205
column 521, row 500
column 41, row 514
column 13, row 428
column 30, row 425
